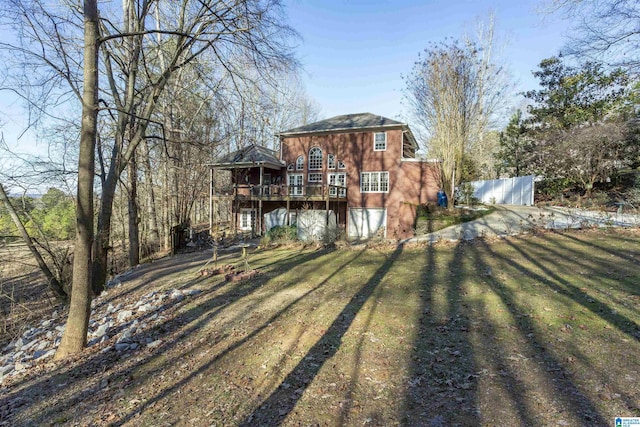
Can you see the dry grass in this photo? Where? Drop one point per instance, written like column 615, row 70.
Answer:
column 542, row 330
column 24, row 296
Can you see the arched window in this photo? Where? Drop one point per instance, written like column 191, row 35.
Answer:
column 300, row 163
column 315, row 158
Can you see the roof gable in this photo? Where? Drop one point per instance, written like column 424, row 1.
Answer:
column 344, row 123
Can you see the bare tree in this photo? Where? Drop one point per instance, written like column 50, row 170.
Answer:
column 453, row 91
column 606, row 31
column 61, row 43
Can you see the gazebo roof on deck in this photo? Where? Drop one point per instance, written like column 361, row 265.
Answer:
column 247, row 157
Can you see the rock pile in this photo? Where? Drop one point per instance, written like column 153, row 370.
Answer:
column 127, row 323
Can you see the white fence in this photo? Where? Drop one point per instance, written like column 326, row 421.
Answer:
column 508, row 191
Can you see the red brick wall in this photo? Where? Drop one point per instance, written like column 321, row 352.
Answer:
column 409, row 182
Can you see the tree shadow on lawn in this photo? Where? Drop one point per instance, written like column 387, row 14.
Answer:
column 564, row 287
column 629, row 255
column 275, row 408
column 552, row 375
column 237, row 344
column 464, row 367
column 441, row 388
column 67, row 376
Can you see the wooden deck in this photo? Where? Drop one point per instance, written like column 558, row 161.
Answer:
column 283, row 193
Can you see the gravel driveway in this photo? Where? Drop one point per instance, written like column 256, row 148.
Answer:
column 511, row 219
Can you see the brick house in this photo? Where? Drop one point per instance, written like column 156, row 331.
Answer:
column 360, row 167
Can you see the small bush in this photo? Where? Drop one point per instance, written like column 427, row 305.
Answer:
column 280, row 233
column 464, row 195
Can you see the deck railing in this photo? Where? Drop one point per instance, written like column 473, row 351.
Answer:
column 278, row 191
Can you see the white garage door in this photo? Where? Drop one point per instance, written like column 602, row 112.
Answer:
column 365, row 222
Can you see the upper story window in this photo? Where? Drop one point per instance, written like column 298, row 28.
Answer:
column 315, row 177
column 374, row 182
column 315, row 158
column 379, row 141
column 331, row 161
column 341, row 165
column 300, row 163
column 290, row 167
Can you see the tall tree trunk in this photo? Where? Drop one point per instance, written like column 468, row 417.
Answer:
column 101, row 247
column 54, row 284
column 166, row 205
column 134, row 232
column 154, row 235
column 75, row 334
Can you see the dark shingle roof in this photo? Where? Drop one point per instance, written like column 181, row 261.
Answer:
column 344, row 122
column 249, row 156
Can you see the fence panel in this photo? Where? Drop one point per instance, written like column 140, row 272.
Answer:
column 507, row 191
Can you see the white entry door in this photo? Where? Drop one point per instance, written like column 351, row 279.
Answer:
column 365, row 222
column 247, row 219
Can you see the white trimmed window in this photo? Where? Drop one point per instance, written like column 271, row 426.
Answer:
column 374, row 182
column 331, row 161
column 296, row 184
column 315, row 158
column 290, row 167
column 379, row 141
column 300, row 163
column 315, row 178
column 341, row 165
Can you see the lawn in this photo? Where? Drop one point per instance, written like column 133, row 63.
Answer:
column 538, row 330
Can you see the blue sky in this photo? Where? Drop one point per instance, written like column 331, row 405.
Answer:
column 354, row 52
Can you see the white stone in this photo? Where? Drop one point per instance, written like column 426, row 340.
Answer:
column 19, row 367
column 43, row 344
column 145, row 308
column 125, row 337
column 110, row 309
column 191, row 292
column 177, row 295
column 102, row 330
column 123, row 315
column 47, row 323
column 18, row 344
column 28, row 345
column 4, row 370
